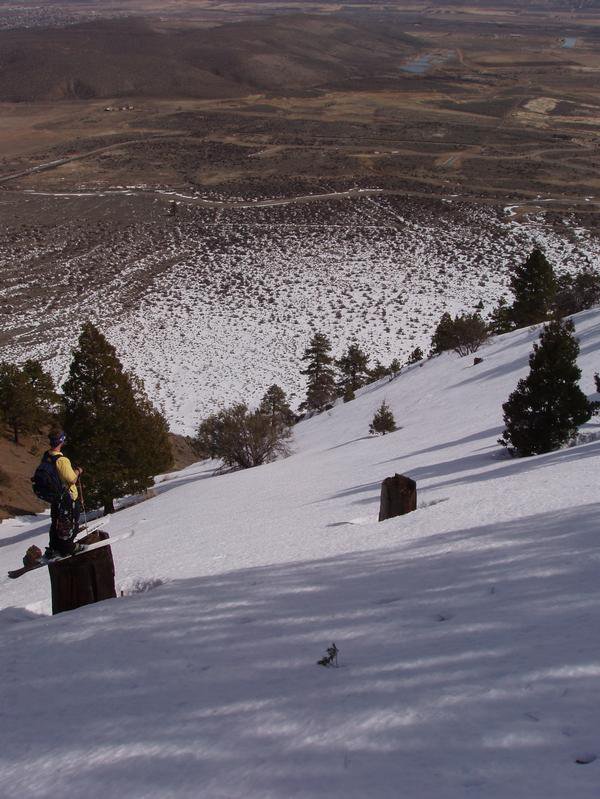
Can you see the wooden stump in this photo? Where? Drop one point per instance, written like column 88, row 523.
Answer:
column 86, row 578
column 398, row 496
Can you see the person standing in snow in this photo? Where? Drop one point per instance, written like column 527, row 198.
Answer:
column 65, row 509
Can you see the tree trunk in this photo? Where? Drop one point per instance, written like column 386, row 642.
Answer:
column 16, row 433
column 86, row 578
column 109, row 506
column 398, row 496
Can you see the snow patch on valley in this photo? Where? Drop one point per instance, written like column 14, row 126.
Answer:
column 213, row 309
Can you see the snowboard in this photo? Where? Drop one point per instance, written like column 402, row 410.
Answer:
column 84, row 548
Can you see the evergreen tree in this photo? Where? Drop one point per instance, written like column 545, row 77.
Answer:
column 415, row 356
column 112, row 428
column 464, row 334
column 534, row 287
column 383, row 421
column 27, row 396
column 353, row 367
column 377, row 372
column 348, row 394
column 321, row 380
column 43, row 386
column 469, row 332
column 547, row 407
column 155, row 454
column 579, row 292
column 442, row 339
column 274, row 404
column 597, row 382
column 500, row 318
column 395, row 367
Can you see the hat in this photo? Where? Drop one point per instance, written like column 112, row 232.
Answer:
column 57, row 437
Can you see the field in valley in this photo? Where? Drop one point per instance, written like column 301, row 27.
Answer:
column 199, row 188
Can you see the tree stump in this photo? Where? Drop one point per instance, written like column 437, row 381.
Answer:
column 398, row 496
column 83, row 579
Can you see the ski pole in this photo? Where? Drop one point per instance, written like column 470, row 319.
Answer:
column 80, row 487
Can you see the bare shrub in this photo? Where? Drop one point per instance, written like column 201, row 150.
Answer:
column 242, row 439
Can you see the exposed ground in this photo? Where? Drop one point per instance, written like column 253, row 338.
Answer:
column 18, row 462
column 357, row 171
column 494, row 105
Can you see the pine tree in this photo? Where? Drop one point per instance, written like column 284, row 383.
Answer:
column 274, row 404
column 395, row 368
column 378, row 371
column 43, row 386
column 469, row 332
column 348, row 394
column 442, row 340
column 534, row 287
column 321, row 380
column 500, row 318
column 579, row 292
column 415, row 356
column 464, row 334
column 154, row 453
column 383, row 421
column 547, row 407
column 27, row 396
column 353, row 367
column 112, row 428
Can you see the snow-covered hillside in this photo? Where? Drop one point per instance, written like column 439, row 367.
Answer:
column 468, row 630
column 215, row 305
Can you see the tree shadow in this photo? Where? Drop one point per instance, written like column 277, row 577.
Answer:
column 31, row 531
column 482, row 434
column 451, row 676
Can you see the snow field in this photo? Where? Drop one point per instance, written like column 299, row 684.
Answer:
column 468, row 630
column 215, row 306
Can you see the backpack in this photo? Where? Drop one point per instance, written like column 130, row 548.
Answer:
column 46, row 482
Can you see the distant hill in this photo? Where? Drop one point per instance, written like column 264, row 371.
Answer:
column 131, row 57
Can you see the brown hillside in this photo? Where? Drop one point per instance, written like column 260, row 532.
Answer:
column 132, row 58
column 18, row 462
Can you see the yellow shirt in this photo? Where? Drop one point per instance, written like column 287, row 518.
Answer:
column 66, row 473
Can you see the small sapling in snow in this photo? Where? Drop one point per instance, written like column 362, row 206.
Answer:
column 331, row 658
column 383, row 422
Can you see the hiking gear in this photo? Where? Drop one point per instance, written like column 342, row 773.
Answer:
column 53, row 554
column 32, row 555
column 45, row 561
column 64, row 524
column 80, row 494
column 56, row 439
column 46, row 482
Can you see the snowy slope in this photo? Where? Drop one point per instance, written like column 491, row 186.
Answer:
column 468, row 630
column 217, row 306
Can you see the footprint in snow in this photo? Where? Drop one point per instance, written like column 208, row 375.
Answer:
column 430, row 503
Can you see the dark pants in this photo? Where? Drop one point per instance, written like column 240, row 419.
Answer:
column 64, row 524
